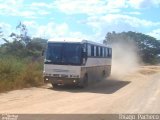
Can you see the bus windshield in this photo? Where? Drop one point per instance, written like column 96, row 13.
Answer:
column 63, row 53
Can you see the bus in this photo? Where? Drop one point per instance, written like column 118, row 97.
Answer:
column 76, row 63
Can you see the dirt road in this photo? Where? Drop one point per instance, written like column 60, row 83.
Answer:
column 138, row 92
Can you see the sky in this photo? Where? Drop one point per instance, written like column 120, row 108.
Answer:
column 84, row 19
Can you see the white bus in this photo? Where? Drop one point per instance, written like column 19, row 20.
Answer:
column 79, row 63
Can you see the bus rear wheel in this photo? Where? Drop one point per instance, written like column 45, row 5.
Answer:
column 104, row 74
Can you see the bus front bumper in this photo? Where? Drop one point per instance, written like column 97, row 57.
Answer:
column 61, row 81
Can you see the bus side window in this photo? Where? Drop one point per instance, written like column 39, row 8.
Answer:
column 106, row 52
column 109, row 52
column 89, row 50
column 97, row 52
column 103, row 52
column 92, row 50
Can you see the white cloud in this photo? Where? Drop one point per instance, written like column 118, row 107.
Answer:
column 143, row 3
column 115, row 19
column 6, row 28
column 18, row 8
column 12, row 3
column 134, row 13
column 48, row 31
column 89, row 7
column 9, row 6
column 6, row 31
column 107, row 15
column 41, row 4
column 93, row 7
column 25, row 13
column 155, row 33
column 43, row 12
column 116, row 4
column 53, row 30
column 31, row 23
column 117, row 22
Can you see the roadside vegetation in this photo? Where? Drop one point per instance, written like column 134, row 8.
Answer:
column 21, row 61
column 17, row 73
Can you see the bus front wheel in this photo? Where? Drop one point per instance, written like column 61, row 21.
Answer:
column 84, row 82
column 54, row 85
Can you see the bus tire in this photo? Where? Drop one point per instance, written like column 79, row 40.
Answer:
column 84, row 82
column 54, row 85
column 104, row 74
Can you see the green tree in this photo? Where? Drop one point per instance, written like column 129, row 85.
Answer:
column 148, row 47
column 23, row 36
column 22, row 45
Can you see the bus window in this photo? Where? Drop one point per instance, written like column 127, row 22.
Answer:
column 106, row 52
column 109, row 52
column 94, row 50
column 89, row 50
column 97, row 52
column 101, row 51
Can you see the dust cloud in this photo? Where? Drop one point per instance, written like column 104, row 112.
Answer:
column 125, row 59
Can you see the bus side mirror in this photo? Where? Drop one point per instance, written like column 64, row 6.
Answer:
column 84, row 53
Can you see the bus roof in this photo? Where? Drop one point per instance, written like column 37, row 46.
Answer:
column 75, row 40
column 65, row 40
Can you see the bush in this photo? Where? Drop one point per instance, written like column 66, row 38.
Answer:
column 16, row 73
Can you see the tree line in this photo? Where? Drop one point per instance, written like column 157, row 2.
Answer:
column 147, row 47
column 20, row 60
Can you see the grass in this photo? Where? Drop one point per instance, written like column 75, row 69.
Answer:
column 17, row 74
